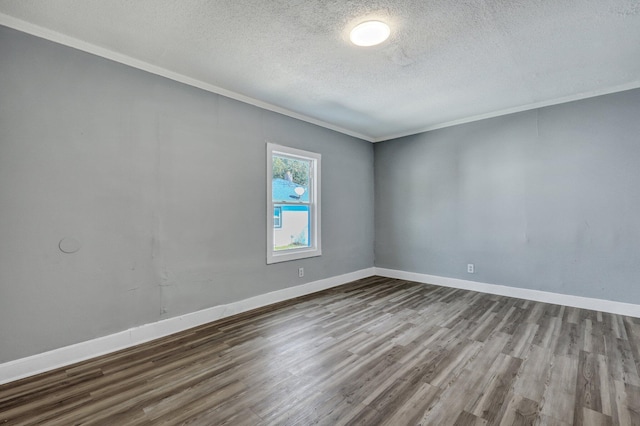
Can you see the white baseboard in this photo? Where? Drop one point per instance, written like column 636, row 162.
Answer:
column 24, row 367
column 602, row 305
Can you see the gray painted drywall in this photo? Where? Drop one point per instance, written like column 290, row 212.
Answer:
column 162, row 186
column 547, row 199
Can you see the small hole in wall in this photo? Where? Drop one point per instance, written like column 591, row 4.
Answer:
column 69, row 245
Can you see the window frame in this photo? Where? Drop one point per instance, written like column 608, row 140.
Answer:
column 315, row 235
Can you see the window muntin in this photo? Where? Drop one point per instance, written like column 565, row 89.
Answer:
column 293, row 197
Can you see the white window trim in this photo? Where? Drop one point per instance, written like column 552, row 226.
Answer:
column 314, row 202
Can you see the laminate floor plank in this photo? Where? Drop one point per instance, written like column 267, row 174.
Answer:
column 414, row 405
column 534, row 376
column 559, row 399
column 492, row 404
column 520, row 411
column 377, row 351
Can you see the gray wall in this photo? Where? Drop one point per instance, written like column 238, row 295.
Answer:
column 546, row 199
column 161, row 183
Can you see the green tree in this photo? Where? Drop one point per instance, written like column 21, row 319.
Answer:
column 299, row 169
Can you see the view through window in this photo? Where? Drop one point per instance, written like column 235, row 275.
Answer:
column 293, row 203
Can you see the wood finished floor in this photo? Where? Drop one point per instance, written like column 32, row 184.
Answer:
column 376, row 351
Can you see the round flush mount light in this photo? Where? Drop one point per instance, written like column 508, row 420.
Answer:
column 369, row 33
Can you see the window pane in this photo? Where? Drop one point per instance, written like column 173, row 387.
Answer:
column 293, row 232
column 290, row 179
column 277, row 217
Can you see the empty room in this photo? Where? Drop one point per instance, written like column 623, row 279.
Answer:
column 319, row 212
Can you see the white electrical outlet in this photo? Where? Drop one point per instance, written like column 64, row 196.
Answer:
column 300, row 272
column 471, row 268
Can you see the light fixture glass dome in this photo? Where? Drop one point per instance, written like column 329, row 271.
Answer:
column 370, row 33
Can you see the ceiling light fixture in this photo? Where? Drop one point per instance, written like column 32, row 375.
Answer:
column 369, row 33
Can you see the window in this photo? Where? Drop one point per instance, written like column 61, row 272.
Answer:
column 293, row 204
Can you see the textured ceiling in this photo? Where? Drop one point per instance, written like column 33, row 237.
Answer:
column 446, row 62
